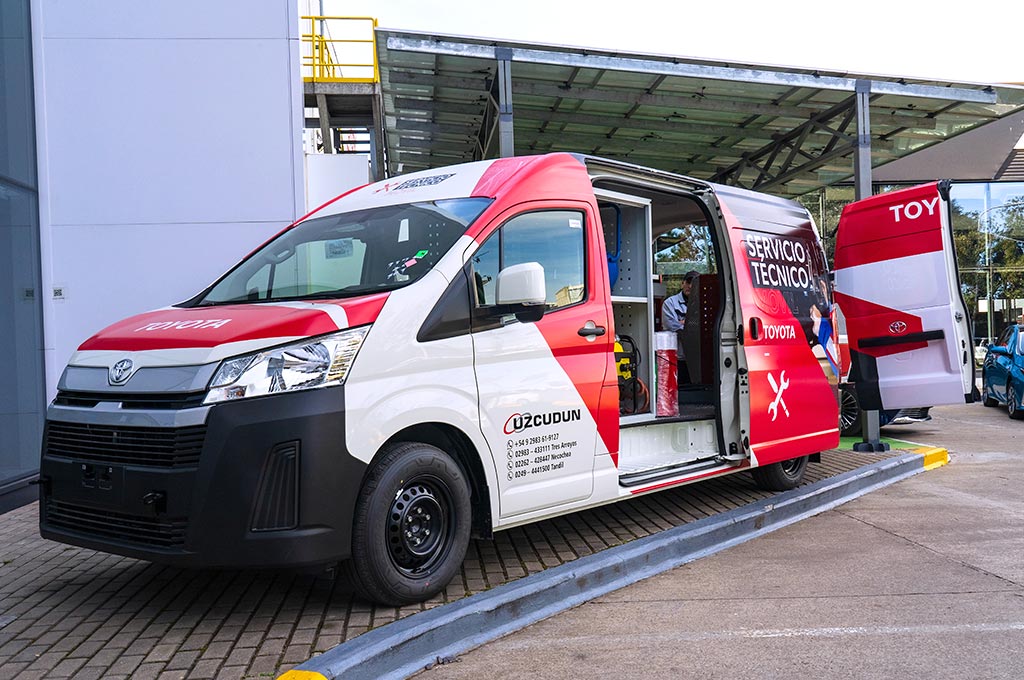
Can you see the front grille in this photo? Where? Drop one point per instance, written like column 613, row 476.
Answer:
column 164, row 447
column 140, row 530
column 156, row 400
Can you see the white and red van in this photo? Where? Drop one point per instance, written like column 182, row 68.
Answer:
column 434, row 356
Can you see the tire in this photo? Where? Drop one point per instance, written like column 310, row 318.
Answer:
column 1011, row 402
column 987, row 400
column 849, row 411
column 781, row 476
column 411, row 526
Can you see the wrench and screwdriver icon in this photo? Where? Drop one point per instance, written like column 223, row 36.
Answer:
column 778, row 388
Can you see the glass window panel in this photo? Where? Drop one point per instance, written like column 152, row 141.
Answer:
column 485, row 270
column 555, row 240
column 17, row 136
column 350, row 254
column 21, row 393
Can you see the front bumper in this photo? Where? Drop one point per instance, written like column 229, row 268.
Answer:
column 909, row 416
column 265, row 482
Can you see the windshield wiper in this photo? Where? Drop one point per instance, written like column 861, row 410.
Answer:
column 348, row 291
column 218, row 303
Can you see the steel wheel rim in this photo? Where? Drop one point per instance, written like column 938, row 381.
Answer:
column 791, row 467
column 419, row 528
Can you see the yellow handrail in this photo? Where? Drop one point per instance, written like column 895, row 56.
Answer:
column 345, row 59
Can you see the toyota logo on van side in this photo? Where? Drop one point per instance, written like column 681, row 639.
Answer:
column 120, row 372
column 897, row 328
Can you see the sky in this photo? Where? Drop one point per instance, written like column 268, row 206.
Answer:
column 980, row 41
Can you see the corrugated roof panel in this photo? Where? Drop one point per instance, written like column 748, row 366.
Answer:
column 700, row 117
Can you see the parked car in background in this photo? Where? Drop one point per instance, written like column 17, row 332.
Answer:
column 981, row 351
column 1002, row 373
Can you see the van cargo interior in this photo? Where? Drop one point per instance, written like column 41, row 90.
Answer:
column 653, row 238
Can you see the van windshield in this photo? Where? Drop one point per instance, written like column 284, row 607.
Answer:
column 349, row 254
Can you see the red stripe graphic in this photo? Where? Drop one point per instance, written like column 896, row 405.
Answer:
column 498, row 173
column 895, row 247
column 212, row 326
column 869, row 320
column 890, row 226
column 692, row 478
column 364, row 310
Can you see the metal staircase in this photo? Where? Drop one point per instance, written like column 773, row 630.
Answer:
column 341, row 81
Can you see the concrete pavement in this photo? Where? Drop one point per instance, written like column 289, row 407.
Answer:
column 921, row 579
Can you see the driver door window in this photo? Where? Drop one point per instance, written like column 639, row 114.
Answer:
column 554, row 238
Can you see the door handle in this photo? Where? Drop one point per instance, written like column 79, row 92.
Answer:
column 591, row 330
column 755, row 328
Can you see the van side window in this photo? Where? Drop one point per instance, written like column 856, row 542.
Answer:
column 554, row 238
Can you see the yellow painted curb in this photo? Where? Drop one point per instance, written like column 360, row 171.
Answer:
column 301, row 675
column 933, row 457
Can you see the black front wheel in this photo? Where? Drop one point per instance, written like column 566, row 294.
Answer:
column 411, row 526
column 781, row 476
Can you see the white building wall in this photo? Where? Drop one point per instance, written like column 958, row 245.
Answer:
column 169, row 144
column 328, row 175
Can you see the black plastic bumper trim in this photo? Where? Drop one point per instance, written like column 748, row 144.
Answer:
column 889, row 341
column 216, row 500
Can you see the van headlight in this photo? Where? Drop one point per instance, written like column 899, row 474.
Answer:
column 317, row 362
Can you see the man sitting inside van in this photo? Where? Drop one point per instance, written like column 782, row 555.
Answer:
column 673, row 318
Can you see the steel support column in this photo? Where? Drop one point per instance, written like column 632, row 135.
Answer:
column 378, row 167
column 325, row 123
column 862, row 157
column 862, row 189
column 506, row 140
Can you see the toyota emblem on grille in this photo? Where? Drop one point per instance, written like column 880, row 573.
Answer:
column 897, row 328
column 121, row 371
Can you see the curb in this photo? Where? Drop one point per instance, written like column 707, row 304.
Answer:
column 933, row 457
column 409, row 645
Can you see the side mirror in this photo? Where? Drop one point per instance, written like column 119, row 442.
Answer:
column 521, row 284
column 520, row 290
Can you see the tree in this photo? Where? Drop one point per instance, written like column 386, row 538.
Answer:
column 688, row 243
column 1002, row 229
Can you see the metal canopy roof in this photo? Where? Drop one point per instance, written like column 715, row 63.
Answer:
column 781, row 130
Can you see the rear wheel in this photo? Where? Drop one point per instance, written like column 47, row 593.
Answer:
column 849, row 411
column 987, row 400
column 411, row 526
column 780, row 476
column 1011, row 402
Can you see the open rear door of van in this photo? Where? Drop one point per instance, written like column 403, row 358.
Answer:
column 898, row 286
